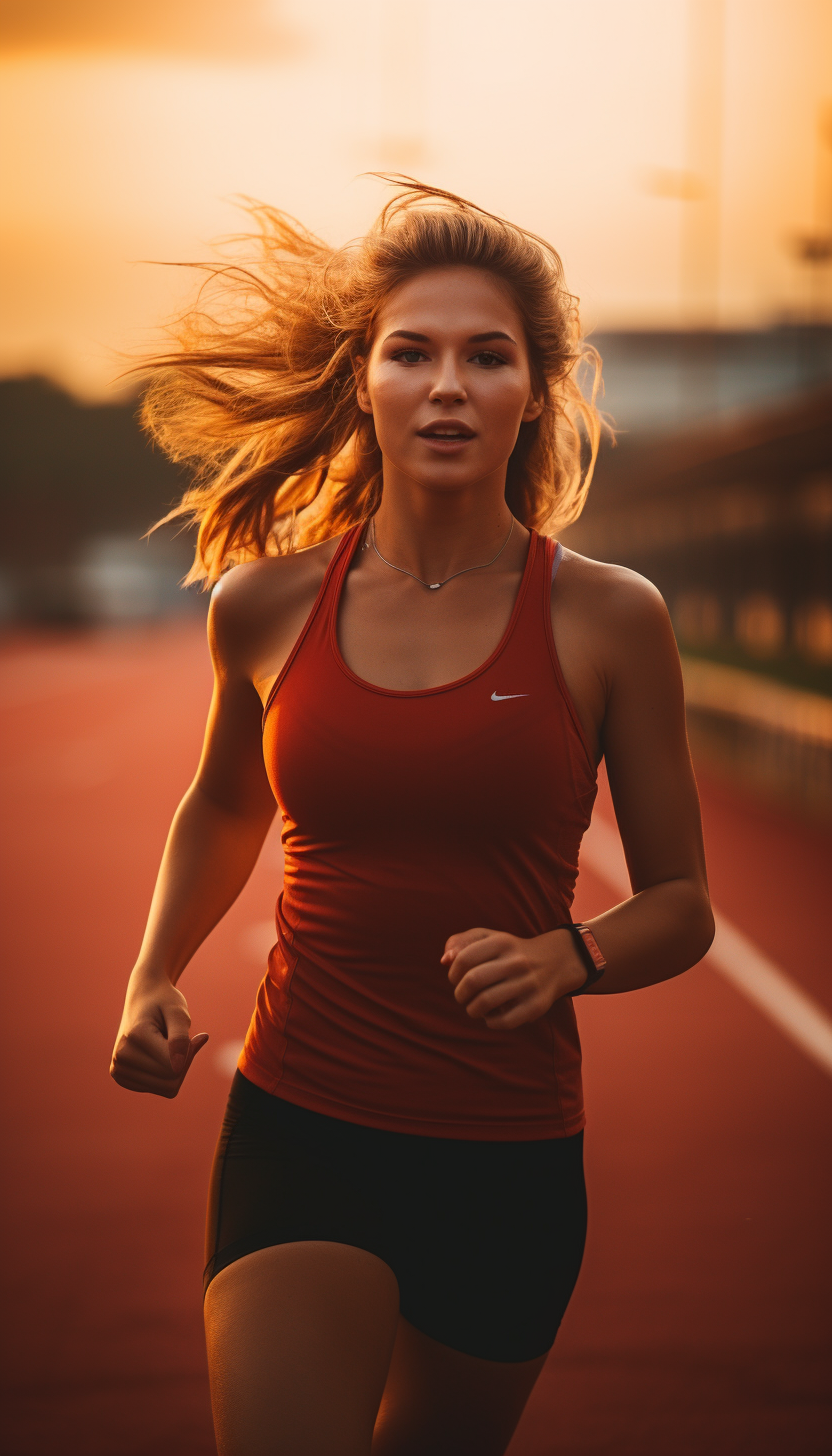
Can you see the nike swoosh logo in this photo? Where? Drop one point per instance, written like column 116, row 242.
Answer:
column 501, row 697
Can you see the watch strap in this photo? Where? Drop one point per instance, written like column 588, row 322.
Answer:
column 590, row 952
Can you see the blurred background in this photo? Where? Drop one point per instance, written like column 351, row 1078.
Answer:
column 678, row 153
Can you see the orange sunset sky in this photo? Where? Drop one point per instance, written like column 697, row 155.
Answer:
column 671, row 149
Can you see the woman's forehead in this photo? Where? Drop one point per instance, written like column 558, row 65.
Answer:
column 459, row 299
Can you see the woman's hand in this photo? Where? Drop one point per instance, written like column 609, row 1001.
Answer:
column 154, row 1047
column 508, row 980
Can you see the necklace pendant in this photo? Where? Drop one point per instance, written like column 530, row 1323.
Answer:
column 433, row 585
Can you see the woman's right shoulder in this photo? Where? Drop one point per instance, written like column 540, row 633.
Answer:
column 258, row 599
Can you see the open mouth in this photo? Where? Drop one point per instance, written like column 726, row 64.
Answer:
column 446, row 432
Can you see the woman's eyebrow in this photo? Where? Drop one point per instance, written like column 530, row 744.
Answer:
column 406, row 334
column 485, row 338
column 474, row 339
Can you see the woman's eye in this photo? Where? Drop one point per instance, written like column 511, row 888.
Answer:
column 409, row 356
column 488, row 358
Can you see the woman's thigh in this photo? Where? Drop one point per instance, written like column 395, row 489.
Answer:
column 300, row 1338
column 442, row 1402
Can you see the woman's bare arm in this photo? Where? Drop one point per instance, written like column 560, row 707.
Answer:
column 667, row 925
column 257, row 612
column 213, row 845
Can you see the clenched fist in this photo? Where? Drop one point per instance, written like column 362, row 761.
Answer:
column 509, row 980
column 154, row 1047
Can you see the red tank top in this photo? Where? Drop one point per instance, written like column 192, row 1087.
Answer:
column 407, row 817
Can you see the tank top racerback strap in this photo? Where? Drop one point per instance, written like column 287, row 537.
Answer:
column 318, row 608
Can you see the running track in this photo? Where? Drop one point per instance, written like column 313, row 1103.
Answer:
column 700, row 1325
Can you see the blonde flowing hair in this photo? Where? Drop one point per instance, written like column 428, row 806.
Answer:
column 258, row 396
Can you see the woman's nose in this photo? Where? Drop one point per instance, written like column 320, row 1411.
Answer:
column 447, row 384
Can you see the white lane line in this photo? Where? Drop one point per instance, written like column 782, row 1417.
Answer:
column 257, row 940
column 227, row 1056
column 798, row 1016
column 775, row 993
column 602, row 851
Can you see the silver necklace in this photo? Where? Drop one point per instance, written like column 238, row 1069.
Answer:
column 434, row 585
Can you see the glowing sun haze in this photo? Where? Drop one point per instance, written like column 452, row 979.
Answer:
column 134, row 126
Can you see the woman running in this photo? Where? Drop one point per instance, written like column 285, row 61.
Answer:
column 424, row 682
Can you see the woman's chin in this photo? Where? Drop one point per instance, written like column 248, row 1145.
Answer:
column 451, row 472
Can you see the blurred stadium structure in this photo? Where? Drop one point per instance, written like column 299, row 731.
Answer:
column 80, row 487
column 729, row 512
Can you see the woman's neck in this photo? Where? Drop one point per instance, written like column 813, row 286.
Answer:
column 434, row 534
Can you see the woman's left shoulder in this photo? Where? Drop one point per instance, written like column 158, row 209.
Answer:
column 619, row 615
column 615, row 594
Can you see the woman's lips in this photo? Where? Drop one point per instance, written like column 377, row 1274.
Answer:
column 445, row 444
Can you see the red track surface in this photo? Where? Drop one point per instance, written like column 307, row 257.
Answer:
column 700, row 1324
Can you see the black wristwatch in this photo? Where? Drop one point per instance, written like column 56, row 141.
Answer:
column 590, row 952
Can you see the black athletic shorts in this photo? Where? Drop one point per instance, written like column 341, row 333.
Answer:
column 484, row 1238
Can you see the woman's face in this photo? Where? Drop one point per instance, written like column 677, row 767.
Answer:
column 447, row 380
